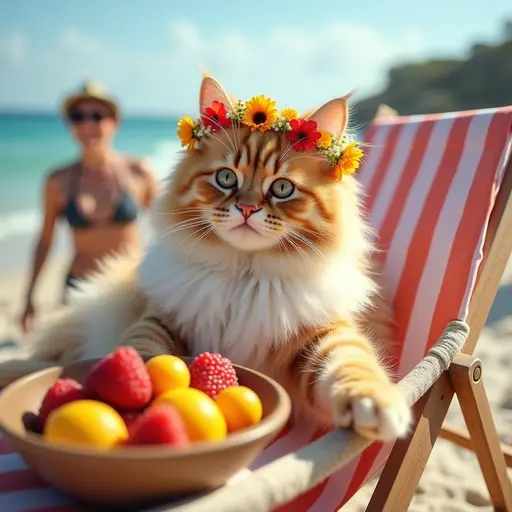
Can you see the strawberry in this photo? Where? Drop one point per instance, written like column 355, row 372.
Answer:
column 62, row 392
column 160, row 424
column 130, row 418
column 211, row 373
column 121, row 380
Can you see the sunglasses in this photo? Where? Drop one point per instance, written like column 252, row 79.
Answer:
column 77, row 116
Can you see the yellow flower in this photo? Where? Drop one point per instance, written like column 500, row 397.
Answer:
column 260, row 113
column 186, row 132
column 325, row 140
column 289, row 114
column 349, row 161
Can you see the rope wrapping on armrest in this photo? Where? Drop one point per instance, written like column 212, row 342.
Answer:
column 282, row 480
column 439, row 358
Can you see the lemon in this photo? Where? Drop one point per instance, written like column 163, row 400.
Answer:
column 85, row 422
column 167, row 372
column 203, row 419
column 241, row 407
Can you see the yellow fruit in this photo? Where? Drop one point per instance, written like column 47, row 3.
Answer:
column 240, row 406
column 167, row 372
column 203, row 419
column 85, row 422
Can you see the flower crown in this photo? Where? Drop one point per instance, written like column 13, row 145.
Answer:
column 260, row 114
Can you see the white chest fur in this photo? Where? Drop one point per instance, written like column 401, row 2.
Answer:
column 239, row 308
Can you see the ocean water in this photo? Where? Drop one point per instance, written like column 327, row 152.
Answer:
column 32, row 145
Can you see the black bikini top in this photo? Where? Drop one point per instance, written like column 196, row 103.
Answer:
column 126, row 210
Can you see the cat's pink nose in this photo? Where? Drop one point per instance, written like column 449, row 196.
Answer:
column 248, row 209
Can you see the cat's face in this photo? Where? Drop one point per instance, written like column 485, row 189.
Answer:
column 251, row 191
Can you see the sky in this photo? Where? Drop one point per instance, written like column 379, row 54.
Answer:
column 301, row 53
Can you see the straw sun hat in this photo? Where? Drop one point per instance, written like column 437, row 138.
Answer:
column 91, row 90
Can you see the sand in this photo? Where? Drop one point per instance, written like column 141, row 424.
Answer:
column 452, row 481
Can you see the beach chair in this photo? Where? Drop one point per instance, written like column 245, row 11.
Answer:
column 438, row 193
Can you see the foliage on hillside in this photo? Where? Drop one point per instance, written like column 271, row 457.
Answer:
column 482, row 80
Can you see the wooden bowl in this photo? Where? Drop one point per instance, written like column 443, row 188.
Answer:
column 136, row 474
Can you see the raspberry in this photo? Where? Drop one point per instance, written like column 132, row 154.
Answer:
column 121, row 380
column 62, row 392
column 160, row 424
column 211, row 373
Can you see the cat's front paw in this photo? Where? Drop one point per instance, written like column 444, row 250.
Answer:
column 377, row 410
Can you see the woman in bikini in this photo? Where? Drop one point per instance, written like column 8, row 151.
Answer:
column 99, row 196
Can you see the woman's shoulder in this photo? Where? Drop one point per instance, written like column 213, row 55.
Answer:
column 139, row 167
column 56, row 182
column 62, row 172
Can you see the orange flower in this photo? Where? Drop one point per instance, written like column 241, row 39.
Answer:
column 186, row 132
column 325, row 140
column 349, row 161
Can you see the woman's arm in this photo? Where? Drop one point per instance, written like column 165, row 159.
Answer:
column 51, row 208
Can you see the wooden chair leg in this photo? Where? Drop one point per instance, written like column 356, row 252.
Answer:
column 461, row 438
column 403, row 470
column 466, row 377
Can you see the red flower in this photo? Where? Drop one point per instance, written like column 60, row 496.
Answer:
column 304, row 134
column 215, row 116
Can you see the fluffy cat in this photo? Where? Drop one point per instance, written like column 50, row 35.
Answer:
column 260, row 255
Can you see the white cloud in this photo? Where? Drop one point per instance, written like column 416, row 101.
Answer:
column 74, row 42
column 12, row 50
column 296, row 67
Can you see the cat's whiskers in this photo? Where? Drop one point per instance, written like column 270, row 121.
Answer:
column 179, row 211
column 212, row 135
column 282, row 243
column 188, row 226
column 201, row 211
column 304, row 254
column 288, row 149
column 316, row 157
column 234, row 146
column 188, row 220
column 369, row 145
column 206, row 233
column 237, row 133
column 189, row 223
column 317, row 234
column 196, row 231
column 308, row 242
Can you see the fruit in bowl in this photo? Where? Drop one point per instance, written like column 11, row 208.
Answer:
column 127, row 401
column 133, row 453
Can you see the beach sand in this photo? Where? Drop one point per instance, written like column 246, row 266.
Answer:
column 452, row 481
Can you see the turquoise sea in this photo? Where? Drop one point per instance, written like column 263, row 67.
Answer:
column 32, row 144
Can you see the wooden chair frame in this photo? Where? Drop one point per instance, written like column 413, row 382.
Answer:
column 403, row 470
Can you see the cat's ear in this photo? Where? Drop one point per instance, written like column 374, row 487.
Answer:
column 308, row 113
column 333, row 116
column 211, row 91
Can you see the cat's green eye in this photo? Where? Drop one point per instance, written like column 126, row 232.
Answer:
column 226, row 178
column 282, row 188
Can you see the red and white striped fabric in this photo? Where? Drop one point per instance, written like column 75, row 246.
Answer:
column 430, row 183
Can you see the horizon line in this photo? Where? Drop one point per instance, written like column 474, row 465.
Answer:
column 48, row 111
